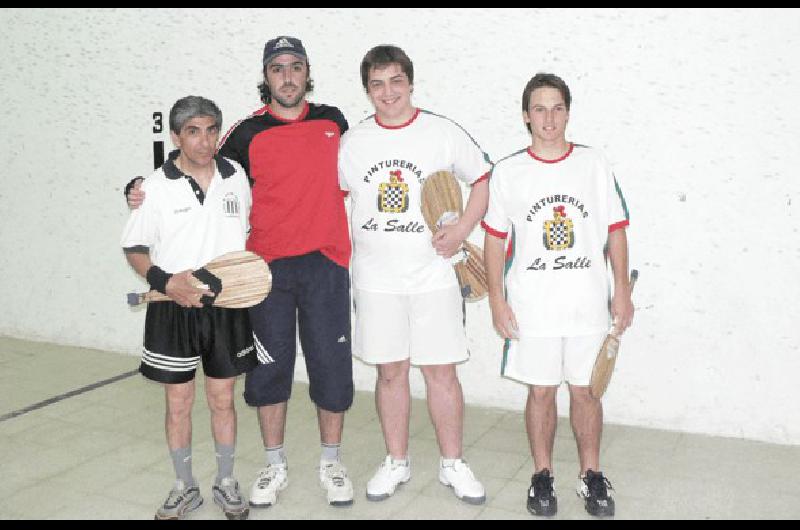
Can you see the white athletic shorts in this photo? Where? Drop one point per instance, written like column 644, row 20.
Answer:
column 549, row 361
column 427, row 328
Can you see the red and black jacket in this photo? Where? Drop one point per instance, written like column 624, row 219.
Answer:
column 293, row 169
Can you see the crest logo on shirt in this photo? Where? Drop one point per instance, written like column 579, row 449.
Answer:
column 393, row 195
column 559, row 233
column 230, row 205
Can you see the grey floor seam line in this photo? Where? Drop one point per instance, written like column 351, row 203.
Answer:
column 69, row 394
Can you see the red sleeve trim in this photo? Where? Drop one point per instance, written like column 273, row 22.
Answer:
column 617, row 226
column 492, row 232
column 481, row 179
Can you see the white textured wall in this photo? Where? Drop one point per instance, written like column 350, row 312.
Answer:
column 696, row 108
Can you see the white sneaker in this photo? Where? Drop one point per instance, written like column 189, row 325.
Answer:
column 385, row 481
column 269, row 482
column 333, row 479
column 459, row 477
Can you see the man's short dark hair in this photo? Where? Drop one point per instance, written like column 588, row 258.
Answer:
column 545, row 80
column 191, row 107
column 384, row 55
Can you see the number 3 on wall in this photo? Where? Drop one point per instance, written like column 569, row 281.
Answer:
column 158, row 126
column 158, row 145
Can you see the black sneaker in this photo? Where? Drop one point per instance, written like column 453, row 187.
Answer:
column 595, row 490
column 541, row 497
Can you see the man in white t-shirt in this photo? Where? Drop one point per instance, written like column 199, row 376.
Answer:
column 196, row 209
column 409, row 309
column 562, row 207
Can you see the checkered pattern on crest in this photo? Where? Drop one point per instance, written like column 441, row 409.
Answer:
column 393, row 199
column 558, row 235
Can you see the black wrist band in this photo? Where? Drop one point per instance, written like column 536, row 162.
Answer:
column 213, row 283
column 129, row 186
column 158, row 278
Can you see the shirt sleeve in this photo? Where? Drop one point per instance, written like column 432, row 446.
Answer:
column 343, row 166
column 246, row 194
column 496, row 221
column 235, row 147
column 341, row 121
column 141, row 228
column 470, row 163
column 617, row 208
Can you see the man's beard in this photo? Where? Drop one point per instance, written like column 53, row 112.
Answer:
column 290, row 101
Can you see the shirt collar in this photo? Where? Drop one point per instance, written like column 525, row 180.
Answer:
column 172, row 172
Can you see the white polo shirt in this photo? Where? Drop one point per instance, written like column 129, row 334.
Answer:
column 559, row 213
column 383, row 168
column 184, row 228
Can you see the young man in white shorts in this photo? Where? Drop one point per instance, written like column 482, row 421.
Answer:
column 561, row 206
column 196, row 209
column 409, row 309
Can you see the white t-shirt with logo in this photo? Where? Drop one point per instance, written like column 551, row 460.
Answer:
column 559, row 214
column 181, row 232
column 383, row 168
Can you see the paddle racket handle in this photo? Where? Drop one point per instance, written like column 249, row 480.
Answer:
column 135, row 298
column 466, row 290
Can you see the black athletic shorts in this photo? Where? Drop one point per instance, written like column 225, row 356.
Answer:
column 176, row 339
column 312, row 292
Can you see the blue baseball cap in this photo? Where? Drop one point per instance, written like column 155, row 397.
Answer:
column 284, row 44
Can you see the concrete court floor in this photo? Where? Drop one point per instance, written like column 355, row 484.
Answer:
column 101, row 454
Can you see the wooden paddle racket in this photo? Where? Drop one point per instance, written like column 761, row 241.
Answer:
column 241, row 279
column 442, row 203
column 607, row 356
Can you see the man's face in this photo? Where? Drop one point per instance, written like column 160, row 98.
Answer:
column 547, row 114
column 389, row 90
column 198, row 140
column 286, row 76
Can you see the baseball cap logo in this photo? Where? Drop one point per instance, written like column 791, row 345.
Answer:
column 284, row 44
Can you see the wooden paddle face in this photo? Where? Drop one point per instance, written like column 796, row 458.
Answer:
column 441, row 195
column 246, row 281
column 604, row 366
column 607, row 357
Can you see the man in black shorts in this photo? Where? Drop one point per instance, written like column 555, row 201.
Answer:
column 289, row 150
column 186, row 221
